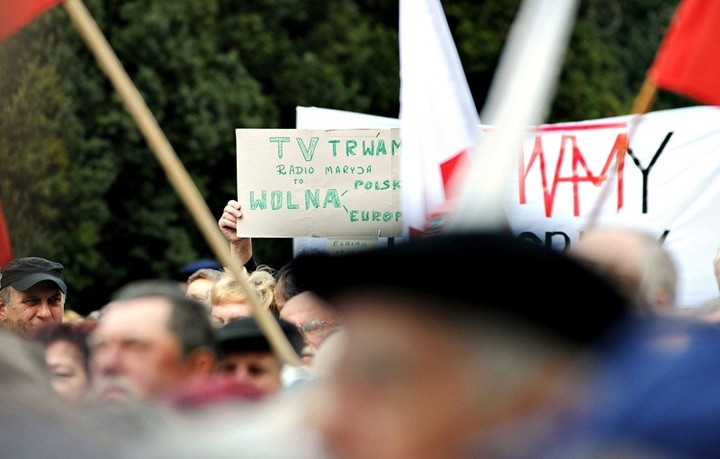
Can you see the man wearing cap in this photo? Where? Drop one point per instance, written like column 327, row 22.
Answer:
column 247, row 355
column 32, row 293
column 456, row 363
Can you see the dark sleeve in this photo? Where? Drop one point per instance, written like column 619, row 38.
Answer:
column 251, row 265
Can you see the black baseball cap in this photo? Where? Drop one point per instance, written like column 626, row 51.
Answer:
column 23, row 273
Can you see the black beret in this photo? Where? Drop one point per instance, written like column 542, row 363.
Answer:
column 468, row 275
column 244, row 335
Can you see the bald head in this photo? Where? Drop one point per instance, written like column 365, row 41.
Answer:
column 635, row 261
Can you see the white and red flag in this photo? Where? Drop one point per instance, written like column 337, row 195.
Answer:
column 439, row 124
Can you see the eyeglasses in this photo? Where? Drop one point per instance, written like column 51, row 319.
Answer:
column 314, row 328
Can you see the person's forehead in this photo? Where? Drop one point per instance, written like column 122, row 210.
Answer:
column 303, row 304
column 397, row 333
column 140, row 313
column 232, row 306
column 385, row 306
column 227, row 311
column 380, row 307
column 201, row 284
column 62, row 350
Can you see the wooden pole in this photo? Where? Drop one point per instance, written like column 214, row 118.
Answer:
column 176, row 172
column 645, row 97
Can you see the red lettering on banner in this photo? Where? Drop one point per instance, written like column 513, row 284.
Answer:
column 616, row 155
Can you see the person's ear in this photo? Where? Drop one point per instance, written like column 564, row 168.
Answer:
column 202, row 361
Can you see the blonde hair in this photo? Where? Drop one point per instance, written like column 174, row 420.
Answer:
column 227, row 289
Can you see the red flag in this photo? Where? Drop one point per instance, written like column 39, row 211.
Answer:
column 5, row 249
column 687, row 61
column 16, row 14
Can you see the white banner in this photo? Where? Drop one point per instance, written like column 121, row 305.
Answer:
column 668, row 184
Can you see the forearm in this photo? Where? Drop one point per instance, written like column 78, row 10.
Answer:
column 241, row 250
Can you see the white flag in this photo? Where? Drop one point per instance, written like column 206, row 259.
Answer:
column 518, row 99
column 439, row 124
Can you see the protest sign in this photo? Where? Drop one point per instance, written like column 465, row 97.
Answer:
column 319, row 183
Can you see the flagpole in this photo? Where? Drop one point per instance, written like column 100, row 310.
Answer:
column 176, row 172
column 645, row 97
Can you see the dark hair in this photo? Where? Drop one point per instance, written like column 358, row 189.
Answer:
column 189, row 320
column 286, row 276
column 74, row 333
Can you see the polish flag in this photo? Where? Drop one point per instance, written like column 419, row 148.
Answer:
column 439, row 124
column 16, row 14
column 687, row 60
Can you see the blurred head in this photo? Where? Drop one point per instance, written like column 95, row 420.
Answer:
column 67, row 355
column 151, row 339
column 635, row 262
column 285, row 285
column 200, row 282
column 428, row 371
column 248, row 356
column 22, row 368
column 229, row 299
column 313, row 317
column 32, row 293
column 188, row 269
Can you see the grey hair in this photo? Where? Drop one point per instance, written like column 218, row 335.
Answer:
column 6, row 295
column 206, row 273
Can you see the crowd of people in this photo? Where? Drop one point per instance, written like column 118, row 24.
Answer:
column 403, row 352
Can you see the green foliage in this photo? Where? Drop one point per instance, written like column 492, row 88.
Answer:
column 80, row 185
column 612, row 46
column 34, row 158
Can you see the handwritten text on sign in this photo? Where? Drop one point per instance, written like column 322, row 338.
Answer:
column 322, row 183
